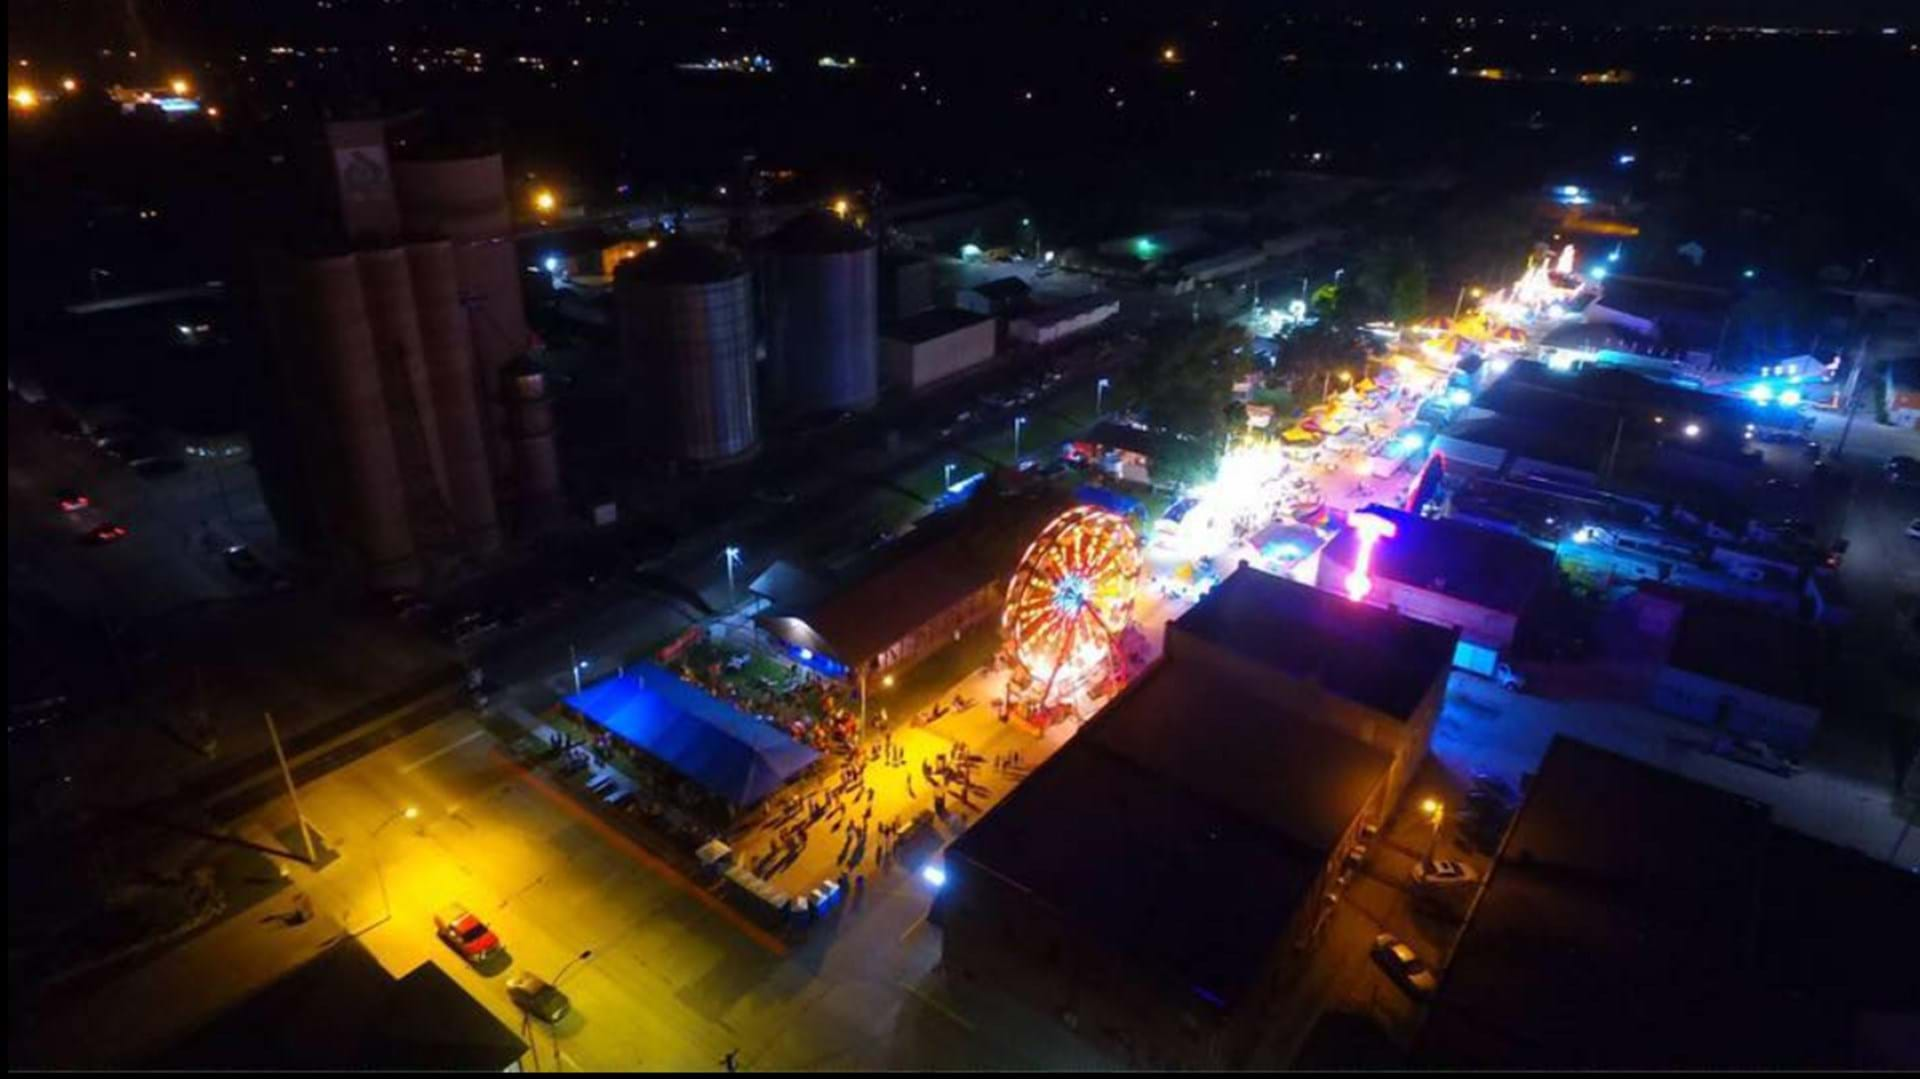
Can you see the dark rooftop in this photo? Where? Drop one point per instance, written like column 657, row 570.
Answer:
column 1181, row 828
column 341, row 1011
column 932, row 323
column 1490, row 569
column 1638, row 919
column 948, row 557
column 818, row 232
column 1748, row 646
column 1373, row 657
column 683, row 260
column 1002, row 288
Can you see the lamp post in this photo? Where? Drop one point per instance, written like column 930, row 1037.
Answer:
column 1100, row 397
column 1018, row 423
column 581, row 958
column 733, row 559
column 574, row 665
column 947, row 477
column 1461, row 298
column 379, row 866
column 1437, row 811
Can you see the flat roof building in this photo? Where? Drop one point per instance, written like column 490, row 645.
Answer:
column 935, row 345
column 1636, row 919
column 1374, row 674
column 1150, row 882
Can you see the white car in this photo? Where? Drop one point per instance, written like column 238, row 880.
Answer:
column 1403, row 966
column 1443, row 874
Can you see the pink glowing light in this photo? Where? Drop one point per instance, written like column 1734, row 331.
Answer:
column 1372, row 530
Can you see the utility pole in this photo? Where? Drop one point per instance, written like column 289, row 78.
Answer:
column 306, row 836
column 1852, row 395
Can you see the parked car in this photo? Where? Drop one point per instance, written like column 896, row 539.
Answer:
column 538, row 997
column 1913, row 528
column 1444, row 873
column 106, row 533
column 72, row 500
column 465, row 933
column 1403, row 966
column 1903, row 471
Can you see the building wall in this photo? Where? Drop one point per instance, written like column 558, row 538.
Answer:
column 1038, row 332
column 940, row 630
column 916, row 365
column 1744, row 713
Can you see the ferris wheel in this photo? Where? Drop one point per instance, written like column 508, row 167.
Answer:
column 1070, row 598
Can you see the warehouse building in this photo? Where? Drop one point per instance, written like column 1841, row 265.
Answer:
column 1155, row 883
column 1049, row 324
column 928, row 348
column 1376, row 675
column 1638, row 920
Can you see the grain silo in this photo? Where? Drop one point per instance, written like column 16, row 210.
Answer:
column 326, row 324
column 464, row 199
column 819, row 281
column 447, row 346
column 685, row 312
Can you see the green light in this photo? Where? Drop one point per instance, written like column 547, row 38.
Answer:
column 1143, row 247
column 970, row 251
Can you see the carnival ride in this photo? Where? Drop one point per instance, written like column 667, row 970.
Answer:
column 1069, row 601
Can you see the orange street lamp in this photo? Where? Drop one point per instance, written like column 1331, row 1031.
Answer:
column 1437, row 811
column 544, row 200
column 180, row 87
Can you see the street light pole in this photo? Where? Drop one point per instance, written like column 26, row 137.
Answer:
column 947, row 477
column 380, row 866
column 306, row 835
column 1100, row 397
column 1018, row 423
column 573, row 664
column 1438, row 811
column 582, row 957
column 732, row 558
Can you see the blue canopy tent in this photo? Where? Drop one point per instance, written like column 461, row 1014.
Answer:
column 731, row 755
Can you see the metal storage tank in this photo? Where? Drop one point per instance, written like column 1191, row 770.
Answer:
column 686, row 338
column 820, row 279
column 529, row 411
column 328, row 327
column 447, row 346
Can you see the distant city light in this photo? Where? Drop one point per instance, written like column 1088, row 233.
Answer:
column 840, row 207
column 179, row 87
column 1412, row 442
column 544, row 201
column 1790, row 398
column 1692, row 430
column 1459, row 395
column 1625, row 159
column 1598, row 273
column 1143, row 247
column 1761, row 394
column 970, row 251
column 552, row 264
column 24, row 97
column 1749, row 273
column 69, row 85
column 934, row 875
column 1048, row 257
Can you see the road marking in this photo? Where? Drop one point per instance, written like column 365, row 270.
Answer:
column 441, row 752
column 646, row 857
column 937, row 1006
column 914, row 928
column 568, row 1061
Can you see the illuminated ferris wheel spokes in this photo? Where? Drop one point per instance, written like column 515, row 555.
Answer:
column 1071, row 597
